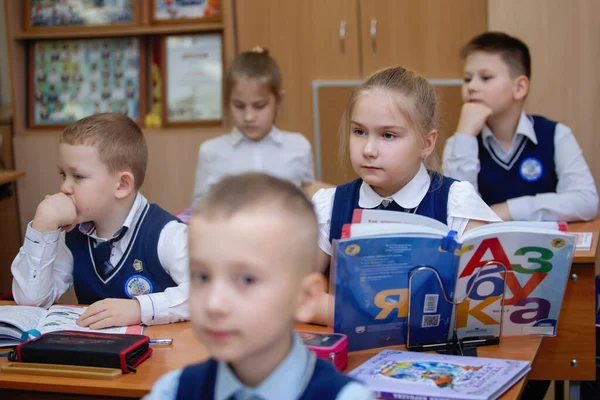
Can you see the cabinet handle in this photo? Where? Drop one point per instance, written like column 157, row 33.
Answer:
column 373, row 32
column 343, row 35
column 574, row 277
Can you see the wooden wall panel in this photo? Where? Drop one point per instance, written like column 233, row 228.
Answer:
column 562, row 36
column 304, row 38
column 450, row 103
column 424, row 35
column 332, row 101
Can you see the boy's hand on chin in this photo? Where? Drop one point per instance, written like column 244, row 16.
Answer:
column 55, row 211
column 111, row 312
column 472, row 118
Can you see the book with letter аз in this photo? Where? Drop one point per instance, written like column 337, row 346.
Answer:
column 410, row 375
column 537, row 260
column 20, row 323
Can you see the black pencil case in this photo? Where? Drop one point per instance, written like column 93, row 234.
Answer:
column 92, row 349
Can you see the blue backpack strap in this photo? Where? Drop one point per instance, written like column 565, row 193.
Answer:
column 198, row 381
column 344, row 203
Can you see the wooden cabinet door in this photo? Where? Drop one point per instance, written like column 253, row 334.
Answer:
column 425, row 35
column 304, row 38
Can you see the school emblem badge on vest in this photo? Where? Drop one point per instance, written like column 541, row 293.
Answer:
column 137, row 285
column 531, row 169
column 138, row 266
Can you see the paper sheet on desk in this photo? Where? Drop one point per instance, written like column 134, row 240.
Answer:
column 584, row 240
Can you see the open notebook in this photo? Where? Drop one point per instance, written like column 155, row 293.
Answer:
column 16, row 321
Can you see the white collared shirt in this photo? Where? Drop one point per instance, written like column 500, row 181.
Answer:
column 464, row 204
column 287, row 381
column 43, row 269
column 576, row 197
column 286, row 155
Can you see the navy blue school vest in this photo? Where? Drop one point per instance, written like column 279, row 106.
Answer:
column 138, row 272
column 197, row 382
column 530, row 171
column 434, row 204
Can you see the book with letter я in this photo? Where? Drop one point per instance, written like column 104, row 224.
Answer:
column 372, row 264
column 19, row 323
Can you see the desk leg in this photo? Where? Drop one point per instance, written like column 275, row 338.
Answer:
column 559, row 390
column 574, row 390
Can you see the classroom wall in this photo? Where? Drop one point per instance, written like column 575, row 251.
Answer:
column 562, row 36
column 173, row 152
column 4, row 79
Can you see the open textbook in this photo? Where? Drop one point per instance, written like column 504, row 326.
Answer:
column 583, row 243
column 408, row 375
column 372, row 265
column 17, row 321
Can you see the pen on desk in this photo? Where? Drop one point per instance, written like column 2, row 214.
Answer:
column 166, row 341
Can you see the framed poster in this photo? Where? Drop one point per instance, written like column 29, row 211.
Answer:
column 177, row 11
column 71, row 79
column 78, row 14
column 192, row 79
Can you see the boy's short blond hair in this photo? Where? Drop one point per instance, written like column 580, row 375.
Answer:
column 120, row 142
column 250, row 191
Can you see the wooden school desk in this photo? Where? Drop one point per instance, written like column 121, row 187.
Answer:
column 186, row 350
column 571, row 354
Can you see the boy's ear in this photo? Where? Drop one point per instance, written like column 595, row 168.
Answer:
column 281, row 96
column 126, row 184
column 429, row 141
column 313, row 285
column 521, row 87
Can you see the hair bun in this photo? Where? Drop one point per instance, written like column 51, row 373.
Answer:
column 260, row 50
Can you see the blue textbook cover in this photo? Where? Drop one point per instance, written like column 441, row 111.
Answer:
column 372, row 286
column 506, row 279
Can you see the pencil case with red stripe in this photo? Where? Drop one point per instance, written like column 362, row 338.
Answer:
column 91, row 349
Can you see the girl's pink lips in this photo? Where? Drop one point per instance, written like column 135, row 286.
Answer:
column 370, row 167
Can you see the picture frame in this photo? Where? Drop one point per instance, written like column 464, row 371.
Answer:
column 80, row 15
column 192, row 79
column 72, row 79
column 178, row 11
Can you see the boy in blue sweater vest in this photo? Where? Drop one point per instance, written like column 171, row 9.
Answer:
column 526, row 167
column 253, row 247
column 124, row 256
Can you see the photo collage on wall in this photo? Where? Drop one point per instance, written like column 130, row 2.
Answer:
column 77, row 78
column 45, row 13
